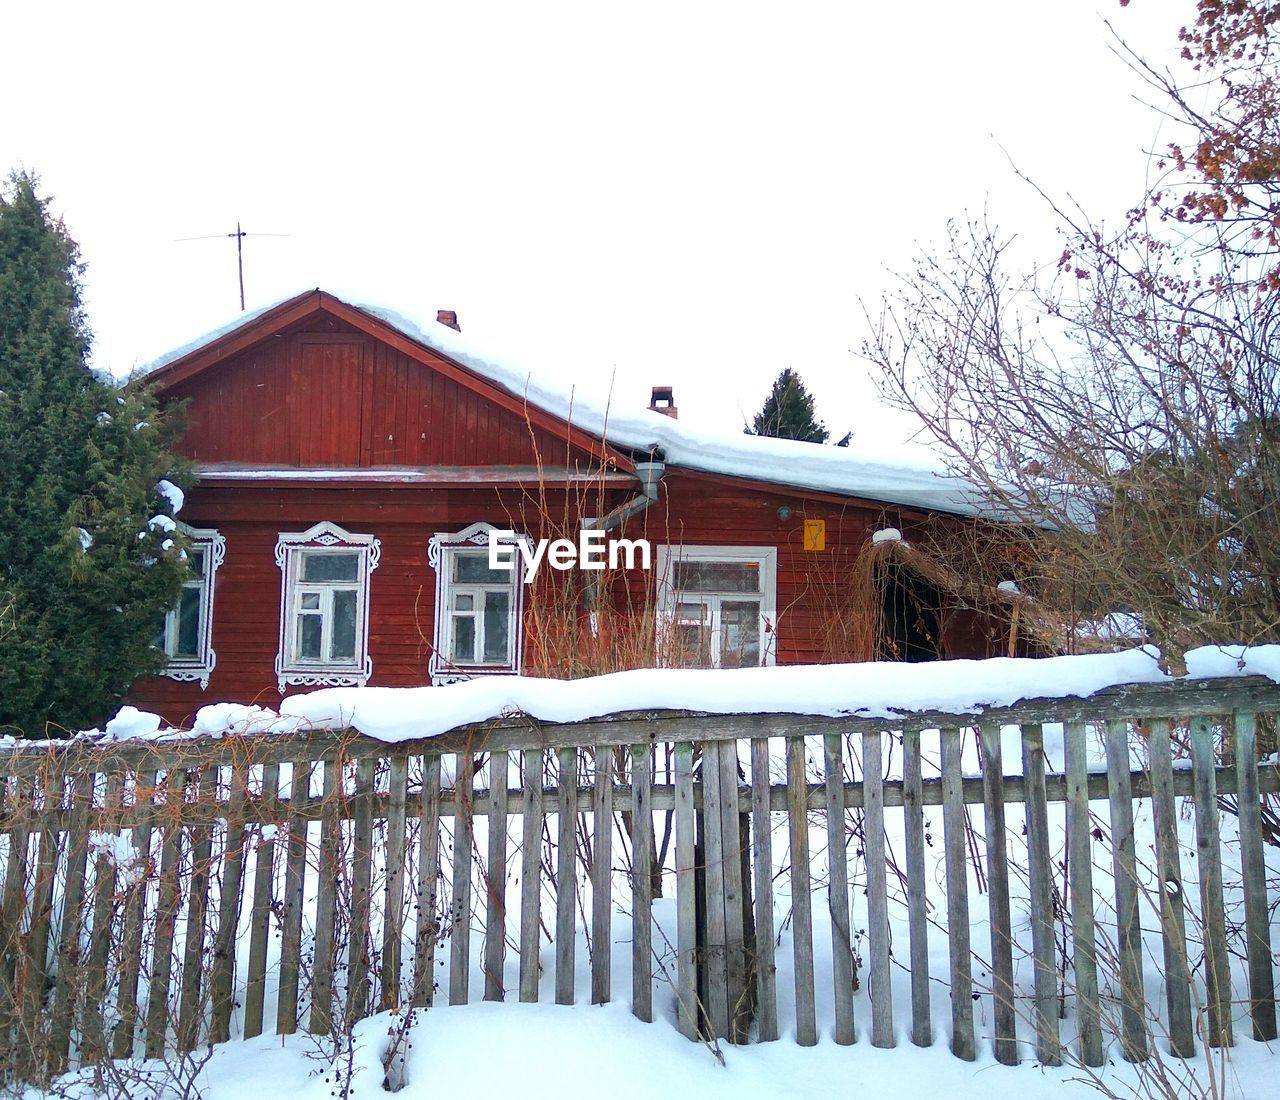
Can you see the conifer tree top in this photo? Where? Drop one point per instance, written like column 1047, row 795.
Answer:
column 788, row 412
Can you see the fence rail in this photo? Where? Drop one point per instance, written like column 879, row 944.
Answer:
column 155, row 893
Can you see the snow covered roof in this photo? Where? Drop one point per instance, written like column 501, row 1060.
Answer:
column 911, row 476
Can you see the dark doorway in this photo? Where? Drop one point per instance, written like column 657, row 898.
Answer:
column 911, row 615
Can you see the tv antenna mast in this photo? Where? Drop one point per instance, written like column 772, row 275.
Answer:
column 239, row 236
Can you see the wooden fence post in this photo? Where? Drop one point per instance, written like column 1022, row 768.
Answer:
column 295, row 876
column 393, row 894
column 1080, row 861
column 686, row 894
column 166, row 915
column 1262, row 991
column 602, row 877
column 264, row 868
column 917, row 899
column 495, row 878
column 1177, row 963
column 222, row 981
column 1006, row 1019
column 321, row 1021
column 957, row 871
column 1040, row 870
column 531, row 876
column 1208, row 850
column 801, row 903
column 566, row 826
column 641, row 883
column 1125, row 872
column 427, row 931
column 762, row 866
column 460, row 911
column 882, row 1029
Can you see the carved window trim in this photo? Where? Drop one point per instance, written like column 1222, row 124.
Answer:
column 441, row 548
column 290, row 547
column 198, row 668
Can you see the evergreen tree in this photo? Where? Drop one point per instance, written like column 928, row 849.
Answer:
column 84, row 573
column 788, row 412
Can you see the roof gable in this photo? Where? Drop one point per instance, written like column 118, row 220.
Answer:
column 315, row 382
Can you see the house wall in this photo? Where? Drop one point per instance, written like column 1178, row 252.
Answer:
column 699, row 509
column 247, row 586
column 694, row 510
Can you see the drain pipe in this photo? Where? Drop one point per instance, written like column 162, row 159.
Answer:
column 650, row 476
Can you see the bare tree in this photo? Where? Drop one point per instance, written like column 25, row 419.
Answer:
column 1129, row 401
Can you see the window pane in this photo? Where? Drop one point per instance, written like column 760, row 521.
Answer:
column 311, row 601
column 739, row 633
column 464, row 640
column 464, row 601
column 309, row 637
column 343, row 643
column 188, row 644
column 195, row 560
column 716, row 576
column 471, row 568
column 497, row 625
column 691, row 636
column 329, row 567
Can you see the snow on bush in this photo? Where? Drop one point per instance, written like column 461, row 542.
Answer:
column 172, row 494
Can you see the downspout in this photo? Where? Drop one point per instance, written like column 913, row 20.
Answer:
column 650, row 475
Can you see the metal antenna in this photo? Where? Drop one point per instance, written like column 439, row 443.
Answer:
column 239, row 235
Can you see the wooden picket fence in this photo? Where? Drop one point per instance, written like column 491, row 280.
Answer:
column 144, row 882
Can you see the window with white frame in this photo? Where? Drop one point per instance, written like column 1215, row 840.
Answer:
column 479, row 610
column 324, row 606
column 186, row 634
column 718, row 605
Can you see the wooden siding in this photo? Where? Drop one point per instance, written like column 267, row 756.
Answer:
column 699, row 509
column 694, row 510
column 325, row 394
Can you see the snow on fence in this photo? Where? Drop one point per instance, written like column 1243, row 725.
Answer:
column 162, row 895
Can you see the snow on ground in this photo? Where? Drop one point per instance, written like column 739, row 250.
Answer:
column 910, row 475
column 592, row 1052
column 588, row 1051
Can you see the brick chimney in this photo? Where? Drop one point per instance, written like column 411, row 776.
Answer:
column 448, row 318
column 663, row 402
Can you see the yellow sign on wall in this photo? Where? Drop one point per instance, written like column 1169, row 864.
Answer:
column 815, row 534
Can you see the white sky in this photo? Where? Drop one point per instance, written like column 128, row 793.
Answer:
column 694, row 194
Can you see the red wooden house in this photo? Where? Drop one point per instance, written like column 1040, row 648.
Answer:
column 351, row 464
